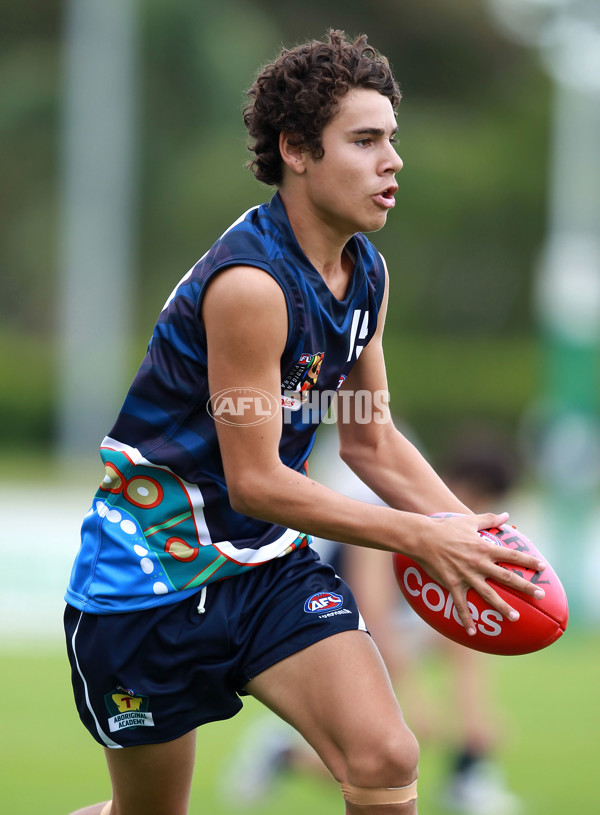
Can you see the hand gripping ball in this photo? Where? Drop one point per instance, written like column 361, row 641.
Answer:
column 541, row 622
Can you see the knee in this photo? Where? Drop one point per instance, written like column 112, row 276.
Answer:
column 389, row 760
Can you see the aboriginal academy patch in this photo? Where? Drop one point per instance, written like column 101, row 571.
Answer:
column 127, row 709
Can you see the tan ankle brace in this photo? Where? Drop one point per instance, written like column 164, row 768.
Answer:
column 369, row 796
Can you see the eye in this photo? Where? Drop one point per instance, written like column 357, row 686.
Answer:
column 363, row 142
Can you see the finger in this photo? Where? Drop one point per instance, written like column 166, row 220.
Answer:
column 493, row 598
column 517, row 558
column 507, row 577
column 462, row 609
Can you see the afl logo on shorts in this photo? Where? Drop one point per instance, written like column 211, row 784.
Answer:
column 323, row 601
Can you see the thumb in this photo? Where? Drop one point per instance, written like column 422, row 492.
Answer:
column 491, row 519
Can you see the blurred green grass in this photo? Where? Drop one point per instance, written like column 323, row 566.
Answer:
column 551, row 712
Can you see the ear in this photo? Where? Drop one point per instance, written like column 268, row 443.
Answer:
column 292, row 155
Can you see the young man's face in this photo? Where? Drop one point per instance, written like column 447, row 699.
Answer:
column 352, row 187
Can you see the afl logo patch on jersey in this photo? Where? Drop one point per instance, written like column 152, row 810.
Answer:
column 323, row 601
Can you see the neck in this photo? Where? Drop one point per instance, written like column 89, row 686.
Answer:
column 322, row 243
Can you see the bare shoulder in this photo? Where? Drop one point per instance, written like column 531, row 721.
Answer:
column 253, row 285
column 245, row 302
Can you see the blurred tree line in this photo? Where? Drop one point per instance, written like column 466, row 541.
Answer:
column 461, row 243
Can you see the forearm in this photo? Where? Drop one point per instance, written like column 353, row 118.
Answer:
column 449, row 549
column 288, row 498
column 397, row 472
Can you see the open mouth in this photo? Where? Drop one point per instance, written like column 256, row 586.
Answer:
column 386, row 198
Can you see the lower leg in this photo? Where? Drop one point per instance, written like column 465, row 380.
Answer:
column 409, row 808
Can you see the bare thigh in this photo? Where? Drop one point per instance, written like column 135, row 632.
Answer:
column 153, row 779
column 338, row 695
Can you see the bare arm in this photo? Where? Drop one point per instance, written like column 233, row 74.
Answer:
column 245, row 317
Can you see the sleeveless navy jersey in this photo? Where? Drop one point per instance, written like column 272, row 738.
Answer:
column 161, row 525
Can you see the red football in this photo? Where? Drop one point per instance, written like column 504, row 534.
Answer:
column 541, row 622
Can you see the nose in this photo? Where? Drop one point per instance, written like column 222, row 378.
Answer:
column 393, row 161
column 396, row 161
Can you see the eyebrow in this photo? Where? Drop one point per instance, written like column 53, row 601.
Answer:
column 371, row 131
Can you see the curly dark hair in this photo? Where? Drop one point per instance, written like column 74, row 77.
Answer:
column 299, row 94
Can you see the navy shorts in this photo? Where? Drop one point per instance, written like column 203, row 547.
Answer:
column 144, row 677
